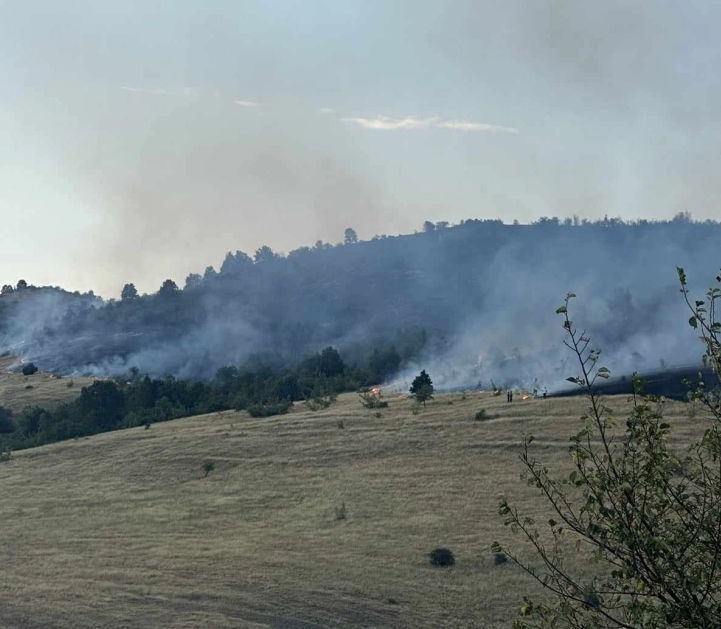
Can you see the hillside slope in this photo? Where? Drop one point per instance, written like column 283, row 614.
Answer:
column 42, row 389
column 123, row 529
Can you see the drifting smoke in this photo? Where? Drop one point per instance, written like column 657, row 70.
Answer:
column 490, row 290
column 628, row 301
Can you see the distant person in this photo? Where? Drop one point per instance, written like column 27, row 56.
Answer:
column 508, row 395
column 545, row 392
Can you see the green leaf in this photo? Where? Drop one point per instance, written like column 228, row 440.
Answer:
column 561, row 310
column 693, row 322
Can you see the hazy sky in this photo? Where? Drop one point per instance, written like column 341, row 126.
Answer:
column 144, row 139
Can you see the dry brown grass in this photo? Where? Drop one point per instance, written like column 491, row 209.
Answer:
column 18, row 391
column 123, row 530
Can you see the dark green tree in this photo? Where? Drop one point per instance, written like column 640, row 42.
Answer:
column 645, row 514
column 169, row 287
column 422, row 388
column 22, row 284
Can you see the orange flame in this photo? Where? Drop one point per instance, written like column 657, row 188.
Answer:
column 525, row 397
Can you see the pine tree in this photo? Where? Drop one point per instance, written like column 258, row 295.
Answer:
column 422, row 387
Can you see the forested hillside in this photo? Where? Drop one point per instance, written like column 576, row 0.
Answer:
column 476, row 298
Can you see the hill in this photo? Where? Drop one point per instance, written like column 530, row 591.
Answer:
column 123, row 529
column 471, row 302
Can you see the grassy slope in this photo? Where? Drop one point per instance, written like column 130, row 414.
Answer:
column 47, row 391
column 122, row 530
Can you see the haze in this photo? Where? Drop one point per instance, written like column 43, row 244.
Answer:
column 143, row 140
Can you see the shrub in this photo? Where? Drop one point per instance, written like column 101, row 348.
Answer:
column 319, row 402
column 268, row 410
column 340, row 513
column 5, row 456
column 441, row 557
column 499, row 559
column 372, row 399
column 29, row 369
column 339, row 423
column 208, row 467
column 378, row 415
column 28, row 387
column 481, row 415
column 70, row 384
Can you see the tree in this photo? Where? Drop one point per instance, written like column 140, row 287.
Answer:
column 428, row 227
column 7, row 288
column 265, row 254
column 350, row 237
column 422, row 387
column 169, row 287
column 646, row 514
column 193, row 281
column 129, row 292
column 22, row 284
column 209, row 273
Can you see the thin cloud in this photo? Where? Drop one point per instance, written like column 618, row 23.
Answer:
column 246, row 103
column 461, row 125
column 385, row 123
column 413, row 122
column 326, row 110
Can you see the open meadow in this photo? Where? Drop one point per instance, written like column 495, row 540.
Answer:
column 124, row 529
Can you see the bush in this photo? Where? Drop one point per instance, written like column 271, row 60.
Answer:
column 319, row 402
column 499, row 559
column 481, row 415
column 29, row 369
column 340, row 513
column 339, row 423
column 372, row 400
column 28, row 387
column 268, row 410
column 5, row 456
column 208, row 467
column 441, row 557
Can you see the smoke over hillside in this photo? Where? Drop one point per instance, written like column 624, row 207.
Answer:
column 485, row 293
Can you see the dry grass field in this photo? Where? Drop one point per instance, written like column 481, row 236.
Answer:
column 18, row 391
column 124, row 530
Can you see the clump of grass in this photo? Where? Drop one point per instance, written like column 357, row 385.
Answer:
column 29, row 386
column 6, row 455
column 378, row 415
column 449, row 402
column 70, row 384
column 340, row 512
column 441, row 557
column 340, row 423
column 208, row 467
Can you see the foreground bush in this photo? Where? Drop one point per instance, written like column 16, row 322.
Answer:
column 268, row 410
column 441, row 557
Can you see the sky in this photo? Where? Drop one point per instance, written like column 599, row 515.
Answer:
column 144, row 139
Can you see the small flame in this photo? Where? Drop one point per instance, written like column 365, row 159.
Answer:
column 525, row 397
column 375, row 391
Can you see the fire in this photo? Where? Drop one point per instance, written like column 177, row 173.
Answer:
column 376, row 391
column 525, row 397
